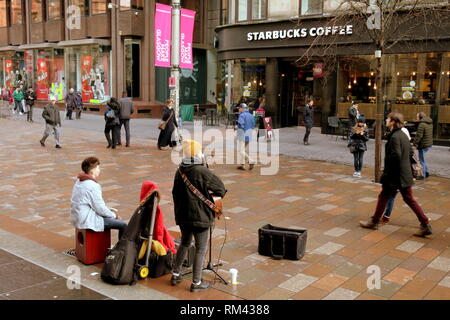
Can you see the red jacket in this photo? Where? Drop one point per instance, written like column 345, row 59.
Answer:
column 160, row 232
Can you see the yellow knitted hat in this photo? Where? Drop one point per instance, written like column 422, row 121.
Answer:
column 191, row 148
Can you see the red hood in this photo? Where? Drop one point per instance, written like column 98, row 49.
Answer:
column 160, row 231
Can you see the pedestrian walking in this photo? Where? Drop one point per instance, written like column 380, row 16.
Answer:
column 358, row 146
column 308, row 119
column 71, row 103
column 88, row 209
column 397, row 175
column 192, row 214
column 112, row 122
column 390, row 204
column 18, row 97
column 167, row 127
column 52, row 122
column 30, row 97
column 423, row 141
column 126, row 110
column 246, row 124
column 79, row 104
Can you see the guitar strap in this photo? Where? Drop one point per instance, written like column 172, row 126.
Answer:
column 200, row 195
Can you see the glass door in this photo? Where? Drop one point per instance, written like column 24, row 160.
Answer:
column 132, row 67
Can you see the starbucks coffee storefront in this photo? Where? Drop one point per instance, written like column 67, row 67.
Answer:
column 262, row 59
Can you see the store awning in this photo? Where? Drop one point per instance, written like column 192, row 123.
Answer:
column 38, row 45
column 10, row 48
column 84, row 42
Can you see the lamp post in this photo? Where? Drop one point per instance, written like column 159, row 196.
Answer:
column 115, row 37
column 175, row 56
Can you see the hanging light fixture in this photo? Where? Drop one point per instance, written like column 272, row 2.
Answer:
column 398, row 73
column 349, row 85
column 371, row 74
column 370, row 82
column 375, row 86
column 354, row 80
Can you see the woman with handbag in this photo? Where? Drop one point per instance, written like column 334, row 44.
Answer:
column 167, row 126
column 358, row 145
column 112, row 122
column 397, row 176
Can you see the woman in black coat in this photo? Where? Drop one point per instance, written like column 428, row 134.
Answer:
column 397, row 175
column 308, row 119
column 358, row 141
column 112, row 122
column 165, row 136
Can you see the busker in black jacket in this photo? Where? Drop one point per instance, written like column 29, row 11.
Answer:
column 397, row 175
column 193, row 216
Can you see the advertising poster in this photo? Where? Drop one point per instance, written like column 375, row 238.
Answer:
column 9, row 75
column 163, row 35
column 186, row 34
column 29, row 61
column 86, row 70
column 42, row 79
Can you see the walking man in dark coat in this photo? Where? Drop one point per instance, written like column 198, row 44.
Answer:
column 397, row 175
column 126, row 110
column 30, row 97
column 71, row 103
column 308, row 119
column 52, row 122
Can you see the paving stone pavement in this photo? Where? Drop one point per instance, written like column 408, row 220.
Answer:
column 37, row 184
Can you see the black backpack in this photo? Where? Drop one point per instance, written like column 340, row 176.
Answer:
column 122, row 259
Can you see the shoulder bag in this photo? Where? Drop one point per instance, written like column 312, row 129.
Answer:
column 162, row 125
column 216, row 206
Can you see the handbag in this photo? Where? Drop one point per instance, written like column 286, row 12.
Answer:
column 162, row 125
column 280, row 243
column 416, row 167
column 216, row 207
column 110, row 114
column 351, row 145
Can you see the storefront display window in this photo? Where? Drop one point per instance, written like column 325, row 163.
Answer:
column 131, row 4
column 89, row 72
column 3, row 21
column 13, row 70
column 98, row 6
column 49, row 74
column 54, row 9
column 36, row 10
column 16, row 12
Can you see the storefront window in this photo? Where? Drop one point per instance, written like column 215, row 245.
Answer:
column 89, row 72
column 311, row 7
column 259, row 9
column 13, row 72
column 16, row 12
column 98, row 6
column 83, row 5
column 283, row 9
column 49, row 74
column 54, row 9
column 3, row 21
column 131, row 4
column 36, row 11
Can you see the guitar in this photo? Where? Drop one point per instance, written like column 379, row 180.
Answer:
column 219, row 207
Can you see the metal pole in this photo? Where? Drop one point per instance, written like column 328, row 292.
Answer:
column 175, row 58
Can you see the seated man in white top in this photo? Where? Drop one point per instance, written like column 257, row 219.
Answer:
column 89, row 211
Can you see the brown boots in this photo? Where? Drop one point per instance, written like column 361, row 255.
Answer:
column 370, row 224
column 425, row 230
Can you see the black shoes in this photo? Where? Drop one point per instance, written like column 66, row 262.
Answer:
column 108, row 146
column 251, row 165
column 42, row 144
column 241, row 168
column 176, row 279
column 200, row 287
column 58, row 147
column 306, row 143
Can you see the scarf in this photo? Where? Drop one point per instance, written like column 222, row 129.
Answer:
column 84, row 176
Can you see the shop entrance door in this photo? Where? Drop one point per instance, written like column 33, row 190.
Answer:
column 296, row 85
column 132, row 67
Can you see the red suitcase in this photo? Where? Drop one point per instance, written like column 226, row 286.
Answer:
column 92, row 247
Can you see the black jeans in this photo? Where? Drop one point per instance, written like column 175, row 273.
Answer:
column 115, row 224
column 358, row 160
column 307, row 133
column 201, row 236
column 112, row 141
column 30, row 113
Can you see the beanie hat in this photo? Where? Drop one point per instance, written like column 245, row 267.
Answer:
column 191, row 148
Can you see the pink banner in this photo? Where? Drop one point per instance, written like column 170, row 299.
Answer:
column 163, row 35
column 186, row 34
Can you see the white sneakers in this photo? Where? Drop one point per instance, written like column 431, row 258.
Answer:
column 357, row 174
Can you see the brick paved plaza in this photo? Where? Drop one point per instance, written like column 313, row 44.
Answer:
column 36, row 185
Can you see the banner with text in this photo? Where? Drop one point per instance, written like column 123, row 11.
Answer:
column 187, row 20
column 42, row 79
column 163, row 35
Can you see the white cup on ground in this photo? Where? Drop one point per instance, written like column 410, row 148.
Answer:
column 234, row 274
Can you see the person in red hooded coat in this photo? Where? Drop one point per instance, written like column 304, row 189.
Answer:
column 160, row 232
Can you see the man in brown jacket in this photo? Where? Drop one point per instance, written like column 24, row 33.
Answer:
column 423, row 140
column 52, row 122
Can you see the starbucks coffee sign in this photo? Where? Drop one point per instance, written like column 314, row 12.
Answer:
column 300, row 33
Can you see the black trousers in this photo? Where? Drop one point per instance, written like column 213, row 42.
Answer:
column 307, row 133
column 112, row 141
column 126, row 124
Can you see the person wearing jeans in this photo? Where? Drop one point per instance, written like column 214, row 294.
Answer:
column 397, row 175
column 424, row 140
column 192, row 214
column 358, row 140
